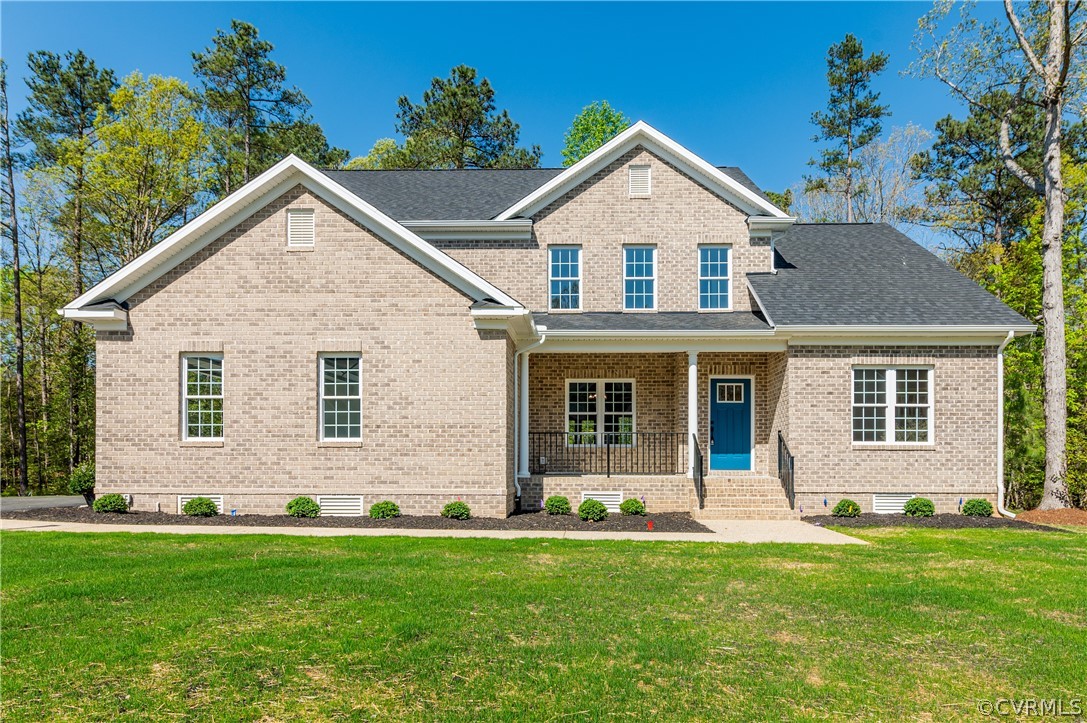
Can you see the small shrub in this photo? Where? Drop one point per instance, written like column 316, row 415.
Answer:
column 110, row 503
column 200, row 507
column 457, row 511
column 846, row 508
column 919, row 507
column 632, row 507
column 82, row 481
column 978, row 508
column 557, row 505
column 384, row 510
column 592, row 511
column 303, row 507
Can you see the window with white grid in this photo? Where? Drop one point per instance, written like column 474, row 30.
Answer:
column 341, row 398
column 901, row 396
column 599, row 411
column 564, row 277
column 202, row 397
column 714, row 280
column 639, row 277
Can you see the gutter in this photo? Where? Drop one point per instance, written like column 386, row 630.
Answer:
column 1000, row 427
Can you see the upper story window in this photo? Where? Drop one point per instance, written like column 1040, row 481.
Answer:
column 341, row 398
column 639, row 277
column 202, row 397
column 714, row 277
column 565, row 277
column 897, row 395
column 640, row 180
column 300, row 228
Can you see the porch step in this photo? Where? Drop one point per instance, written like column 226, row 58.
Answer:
column 744, row 497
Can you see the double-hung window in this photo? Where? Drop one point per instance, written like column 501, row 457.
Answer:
column 714, row 278
column 639, row 277
column 564, row 277
column 202, row 397
column 341, row 398
column 599, row 412
column 892, row 405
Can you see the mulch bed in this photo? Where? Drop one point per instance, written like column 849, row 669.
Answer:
column 1069, row 516
column 664, row 522
column 945, row 521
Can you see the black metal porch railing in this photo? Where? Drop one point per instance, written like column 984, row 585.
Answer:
column 786, row 470
column 699, row 487
column 608, row 453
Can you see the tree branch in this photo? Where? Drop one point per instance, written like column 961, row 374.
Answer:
column 1027, row 50
column 1006, row 146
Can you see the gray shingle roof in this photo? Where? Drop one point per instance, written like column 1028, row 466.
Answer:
column 870, row 274
column 663, row 321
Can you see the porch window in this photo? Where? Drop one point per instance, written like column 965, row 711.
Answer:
column 901, row 396
column 599, row 412
column 639, row 277
column 341, row 398
column 714, row 279
column 565, row 277
column 202, row 401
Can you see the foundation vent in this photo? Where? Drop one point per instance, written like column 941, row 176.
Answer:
column 611, row 500
column 182, row 499
column 890, row 504
column 340, row 505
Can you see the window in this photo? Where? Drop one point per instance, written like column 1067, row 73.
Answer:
column 565, row 277
column 202, row 405
column 639, row 277
column 640, row 180
column 901, row 395
column 341, row 398
column 714, row 279
column 592, row 420
column 730, row 392
column 300, row 228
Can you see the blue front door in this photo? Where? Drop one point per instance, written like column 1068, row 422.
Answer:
column 730, row 424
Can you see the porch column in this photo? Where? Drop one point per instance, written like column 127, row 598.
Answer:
column 692, row 407
column 522, row 463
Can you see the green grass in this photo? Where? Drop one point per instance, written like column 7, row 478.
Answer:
column 918, row 625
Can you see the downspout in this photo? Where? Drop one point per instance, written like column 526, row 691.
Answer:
column 1000, row 427
column 517, row 413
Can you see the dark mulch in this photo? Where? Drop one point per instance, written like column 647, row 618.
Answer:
column 946, row 521
column 664, row 522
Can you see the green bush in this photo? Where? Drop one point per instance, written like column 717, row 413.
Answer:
column 919, row 507
column 846, row 508
column 82, row 481
column 457, row 511
column 303, row 507
column 592, row 511
column 978, row 508
column 632, row 507
column 384, row 510
column 557, row 505
column 110, row 503
column 200, row 507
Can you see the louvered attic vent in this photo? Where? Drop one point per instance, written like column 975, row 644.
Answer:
column 300, row 228
column 640, row 180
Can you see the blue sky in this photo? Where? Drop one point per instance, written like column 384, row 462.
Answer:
column 734, row 82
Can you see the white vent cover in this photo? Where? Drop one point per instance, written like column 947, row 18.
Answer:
column 340, row 505
column 300, row 227
column 611, row 500
column 640, row 181
column 182, row 499
column 890, row 504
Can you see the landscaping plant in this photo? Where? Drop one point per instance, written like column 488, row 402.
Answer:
column 457, row 511
column 592, row 511
column 384, row 510
column 82, row 481
column 632, row 507
column 846, row 508
column 110, row 503
column 200, row 507
column 919, row 507
column 557, row 505
column 978, row 508
column 303, row 507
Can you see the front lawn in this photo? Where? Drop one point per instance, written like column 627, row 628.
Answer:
column 918, row 625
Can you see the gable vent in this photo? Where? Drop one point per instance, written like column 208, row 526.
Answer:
column 182, row 499
column 340, row 505
column 640, row 180
column 300, row 227
column 888, row 504
column 611, row 500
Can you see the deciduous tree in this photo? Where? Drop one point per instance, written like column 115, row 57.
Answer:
column 595, row 125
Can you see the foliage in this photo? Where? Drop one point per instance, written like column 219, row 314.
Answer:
column 384, row 510
column 632, row 506
column 592, row 511
column 846, row 508
column 81, row 482
column 111, row 503
column 557, row 505
column 385, row 154
column 200, row 507
column 978, row 508
column 783, row 200
column 919, row 507
column 457, row 511
column 303, row 507
column 595, row 125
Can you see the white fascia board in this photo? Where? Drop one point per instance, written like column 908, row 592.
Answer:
column 758, row 301
column 639, row 344
column 513, row 230
column 770, row 223
column 899, row 335
column 654, row 334
column 115, row 319
column 641, row 133
column 517, row 321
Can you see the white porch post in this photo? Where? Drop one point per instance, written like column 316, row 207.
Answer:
column 522, row 463
column 692, row 407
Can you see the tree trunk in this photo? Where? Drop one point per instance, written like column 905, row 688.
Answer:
column 849, row 184
column 77, row 358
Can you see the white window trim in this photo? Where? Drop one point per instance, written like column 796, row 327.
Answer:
column 648, row 178
column 322, row 398
column 293, row 213
column 185, row 395
column 890, row 402
column 600, row 410
column 580, row 275
column 656, row 284
column 701, row 278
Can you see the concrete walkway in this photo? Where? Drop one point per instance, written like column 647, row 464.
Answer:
column 13, row 504
column 724, row 531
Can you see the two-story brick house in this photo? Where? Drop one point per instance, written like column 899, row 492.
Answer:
column 641, row 324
